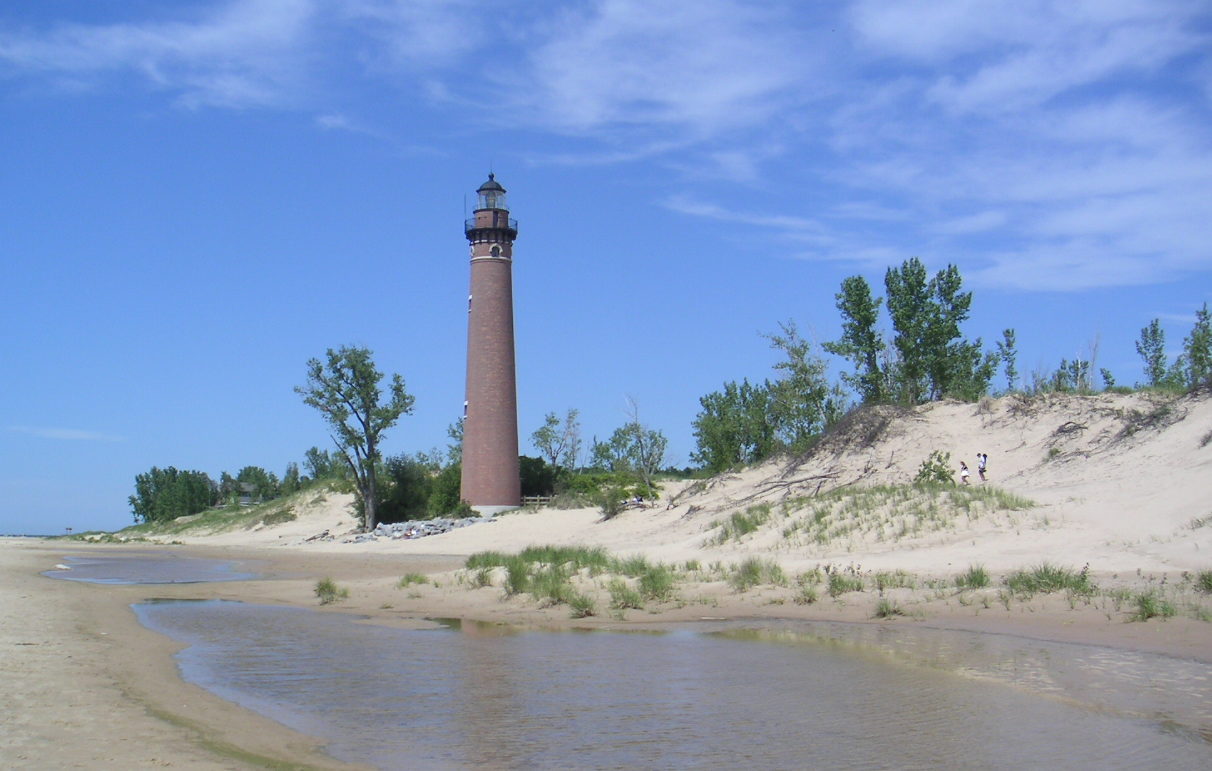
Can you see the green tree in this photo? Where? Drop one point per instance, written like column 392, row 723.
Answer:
column 405, row 487
column 1197, row 350
column 933, row 360
column 1008, row 353
column 1152, row 349
column 320, row 464
column 801, row 401
column 733, row 427
column 861, row 341
column 538, row 477
column 263, row 484
column 165, row 494
column 345, row 389
column 633, row 449
column 444, row 496
column 292, row 482
column 559, row 441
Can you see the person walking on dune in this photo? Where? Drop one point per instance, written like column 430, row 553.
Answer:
column 963, row 472
column 982, row 460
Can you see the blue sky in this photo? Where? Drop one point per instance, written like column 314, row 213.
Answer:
column 198, row 197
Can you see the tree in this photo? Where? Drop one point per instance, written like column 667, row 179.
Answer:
column 559, row 441
column 632, row 449
column 165, row 494
column 1009, row 356
column 319, row 464
column 345, row 389
column 801, row 402
column 733, row 427
column 1152, row 349
column 291, row 480
column 933, row 360
column 263, row 483
column 537, row 476
column 1197, row 350
column 861, row 341
column 404, row 489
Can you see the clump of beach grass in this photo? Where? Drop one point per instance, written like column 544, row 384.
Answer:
column 840, row 584
column 886, row 608
column 976, row 577
column 622, row 596
column 1203, row 581
column 328, row 591
column 408, row 579
column 1152, row 605
column 741, row 523
column 753, row 572
column 1046, row 578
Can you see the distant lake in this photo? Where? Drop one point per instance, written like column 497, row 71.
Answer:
column 791, row 696
column 151, row 567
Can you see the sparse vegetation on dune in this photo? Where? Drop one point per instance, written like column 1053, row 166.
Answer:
column 585, row 578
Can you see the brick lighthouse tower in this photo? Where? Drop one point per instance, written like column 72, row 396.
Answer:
column 490, row 427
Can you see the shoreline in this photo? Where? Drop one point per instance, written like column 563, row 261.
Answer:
column 132, row 707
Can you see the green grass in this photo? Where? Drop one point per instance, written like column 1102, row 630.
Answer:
column 1203, row 581
column 740, row 524
column 408, row 579
column 622, row 596
column 806, row 595
column 886, row 609
column 891, row 512
column 581, row 605
column 658, row 583
column 755, row 572
column 328, row 591
column 1151, row 605
column 975, row 578
column 840, row 584
column 1046, row 578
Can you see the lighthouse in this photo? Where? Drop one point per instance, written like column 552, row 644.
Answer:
column 490, row 426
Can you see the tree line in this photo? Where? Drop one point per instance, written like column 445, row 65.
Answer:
column 925, row 357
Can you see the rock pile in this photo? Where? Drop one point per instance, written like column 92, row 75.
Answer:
column 416, row 528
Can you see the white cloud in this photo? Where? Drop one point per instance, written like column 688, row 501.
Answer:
column 68, row 434
column 972, row 223
column 702, row 67
column 242, row 54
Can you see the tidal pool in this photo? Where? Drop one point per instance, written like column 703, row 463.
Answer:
column 801, row 696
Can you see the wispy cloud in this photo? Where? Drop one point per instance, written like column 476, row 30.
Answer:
column 241, row 54
column 67, row 434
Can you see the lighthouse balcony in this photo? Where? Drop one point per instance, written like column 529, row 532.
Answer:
column 496, row 223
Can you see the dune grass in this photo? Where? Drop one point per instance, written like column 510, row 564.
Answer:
column 329, row 592
column 1046, row 578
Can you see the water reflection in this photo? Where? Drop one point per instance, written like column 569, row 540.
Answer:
column 146, row 568
column 486, row 695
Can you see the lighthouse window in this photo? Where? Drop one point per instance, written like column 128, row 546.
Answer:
column 491, row 200
column 496, row 251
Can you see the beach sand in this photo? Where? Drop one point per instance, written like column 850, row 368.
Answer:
column 1126, row 492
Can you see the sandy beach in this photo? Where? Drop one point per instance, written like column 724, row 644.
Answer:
column 1125, row 493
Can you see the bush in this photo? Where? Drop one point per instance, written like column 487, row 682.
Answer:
column 1150, row 605
column 1046, row 578
column 1203, row 581
column 936, row 468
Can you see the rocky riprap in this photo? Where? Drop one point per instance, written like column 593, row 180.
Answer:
column 416, row 529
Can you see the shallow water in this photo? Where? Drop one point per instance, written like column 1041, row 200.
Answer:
column 800, row 696
column 147, row 568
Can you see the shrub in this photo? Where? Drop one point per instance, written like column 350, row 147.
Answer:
column 936, row 468
column 806, row 595
column 328, row 591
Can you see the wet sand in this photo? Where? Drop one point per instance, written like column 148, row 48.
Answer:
column 87, row 686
